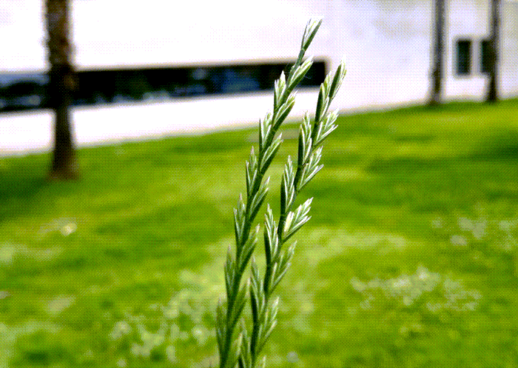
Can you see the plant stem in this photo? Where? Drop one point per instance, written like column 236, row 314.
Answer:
column 244, row 350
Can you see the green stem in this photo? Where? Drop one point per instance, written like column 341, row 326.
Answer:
column 249, row 218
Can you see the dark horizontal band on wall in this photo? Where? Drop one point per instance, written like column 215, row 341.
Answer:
column 97, row 87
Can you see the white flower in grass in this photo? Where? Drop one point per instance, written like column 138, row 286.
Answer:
column 200, row 334
column 170, row 352
column 139, row 350
column 506, row 225
column 437, row 223
column 120, row 329
column 479, row 230
column 465, row 224
column 68, row 229
column 292, row 357
column 458, row 240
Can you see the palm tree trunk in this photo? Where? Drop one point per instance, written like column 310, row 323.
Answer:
column 494, row 46
column 61, row 87
column 438, row 48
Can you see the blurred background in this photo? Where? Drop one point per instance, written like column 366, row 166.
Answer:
column 411, row 256
column 139, row 54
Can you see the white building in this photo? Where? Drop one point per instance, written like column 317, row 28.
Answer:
column 387, row 45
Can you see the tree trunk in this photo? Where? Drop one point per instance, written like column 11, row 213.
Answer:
column 438, row 48
column 61, row 87
column 494, row 46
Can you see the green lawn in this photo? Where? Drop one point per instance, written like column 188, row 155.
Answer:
column 410, row 259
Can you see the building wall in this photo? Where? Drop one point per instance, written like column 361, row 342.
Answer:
column 388, row 51
column 476, row 28
column 387, row 44
column 509, row 55
column 388, row 47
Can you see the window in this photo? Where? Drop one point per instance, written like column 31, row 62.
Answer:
column 28, row 91
column 463, row 57
column 485, row 56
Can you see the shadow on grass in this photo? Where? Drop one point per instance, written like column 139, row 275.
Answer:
column 21, row 181
column 502, row 145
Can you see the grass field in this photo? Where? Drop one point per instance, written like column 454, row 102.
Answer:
column 410, row 259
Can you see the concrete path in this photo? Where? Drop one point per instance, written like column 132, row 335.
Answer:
column 27, row 132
